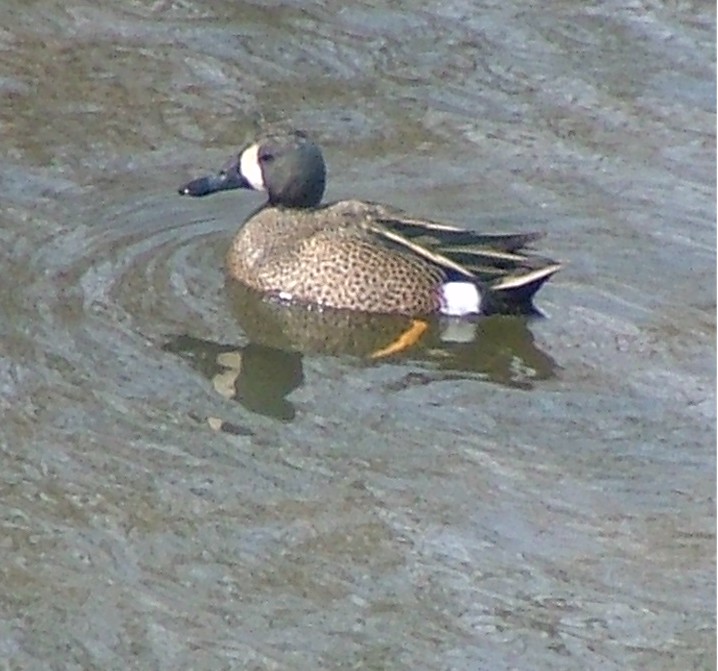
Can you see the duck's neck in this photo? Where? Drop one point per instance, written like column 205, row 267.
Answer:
column 294, row 203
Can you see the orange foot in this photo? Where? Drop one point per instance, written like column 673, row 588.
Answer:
column 407, row 339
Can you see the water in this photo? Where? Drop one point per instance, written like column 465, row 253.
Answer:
column 193, row 482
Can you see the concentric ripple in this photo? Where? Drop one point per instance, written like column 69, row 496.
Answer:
column 156, row 263
column 99, row 297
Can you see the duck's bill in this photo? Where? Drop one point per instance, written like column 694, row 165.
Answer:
column 228, row 178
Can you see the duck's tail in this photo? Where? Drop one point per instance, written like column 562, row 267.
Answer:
column 463, row 295
column 484, row 273
column 514, row 293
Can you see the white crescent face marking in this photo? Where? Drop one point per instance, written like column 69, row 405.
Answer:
column 249, row 167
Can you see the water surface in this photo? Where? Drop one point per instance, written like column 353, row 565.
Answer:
column 179, row 495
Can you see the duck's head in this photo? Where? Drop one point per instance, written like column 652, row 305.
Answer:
column 289, row 167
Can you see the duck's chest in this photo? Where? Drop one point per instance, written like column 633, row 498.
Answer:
column 270, row 238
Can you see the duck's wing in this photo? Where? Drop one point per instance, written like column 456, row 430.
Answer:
column 499, row 262
column 485, row 257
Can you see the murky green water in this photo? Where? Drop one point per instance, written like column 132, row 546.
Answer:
column 510, row 495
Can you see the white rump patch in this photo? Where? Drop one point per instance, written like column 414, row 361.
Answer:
column 460, row 298
column 249, row 167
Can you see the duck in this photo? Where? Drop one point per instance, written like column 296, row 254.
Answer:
column 359, row 255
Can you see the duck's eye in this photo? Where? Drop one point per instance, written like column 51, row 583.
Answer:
column 266, row 157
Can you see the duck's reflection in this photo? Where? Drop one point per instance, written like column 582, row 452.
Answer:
column 262, row 374
column 257, row 376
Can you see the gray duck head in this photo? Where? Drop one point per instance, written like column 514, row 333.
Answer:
column 289, row 167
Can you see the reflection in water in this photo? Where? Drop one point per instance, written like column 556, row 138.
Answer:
column 259, row 377
column 262, row 374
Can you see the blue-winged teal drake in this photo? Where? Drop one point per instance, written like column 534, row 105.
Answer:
column 359, row 255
